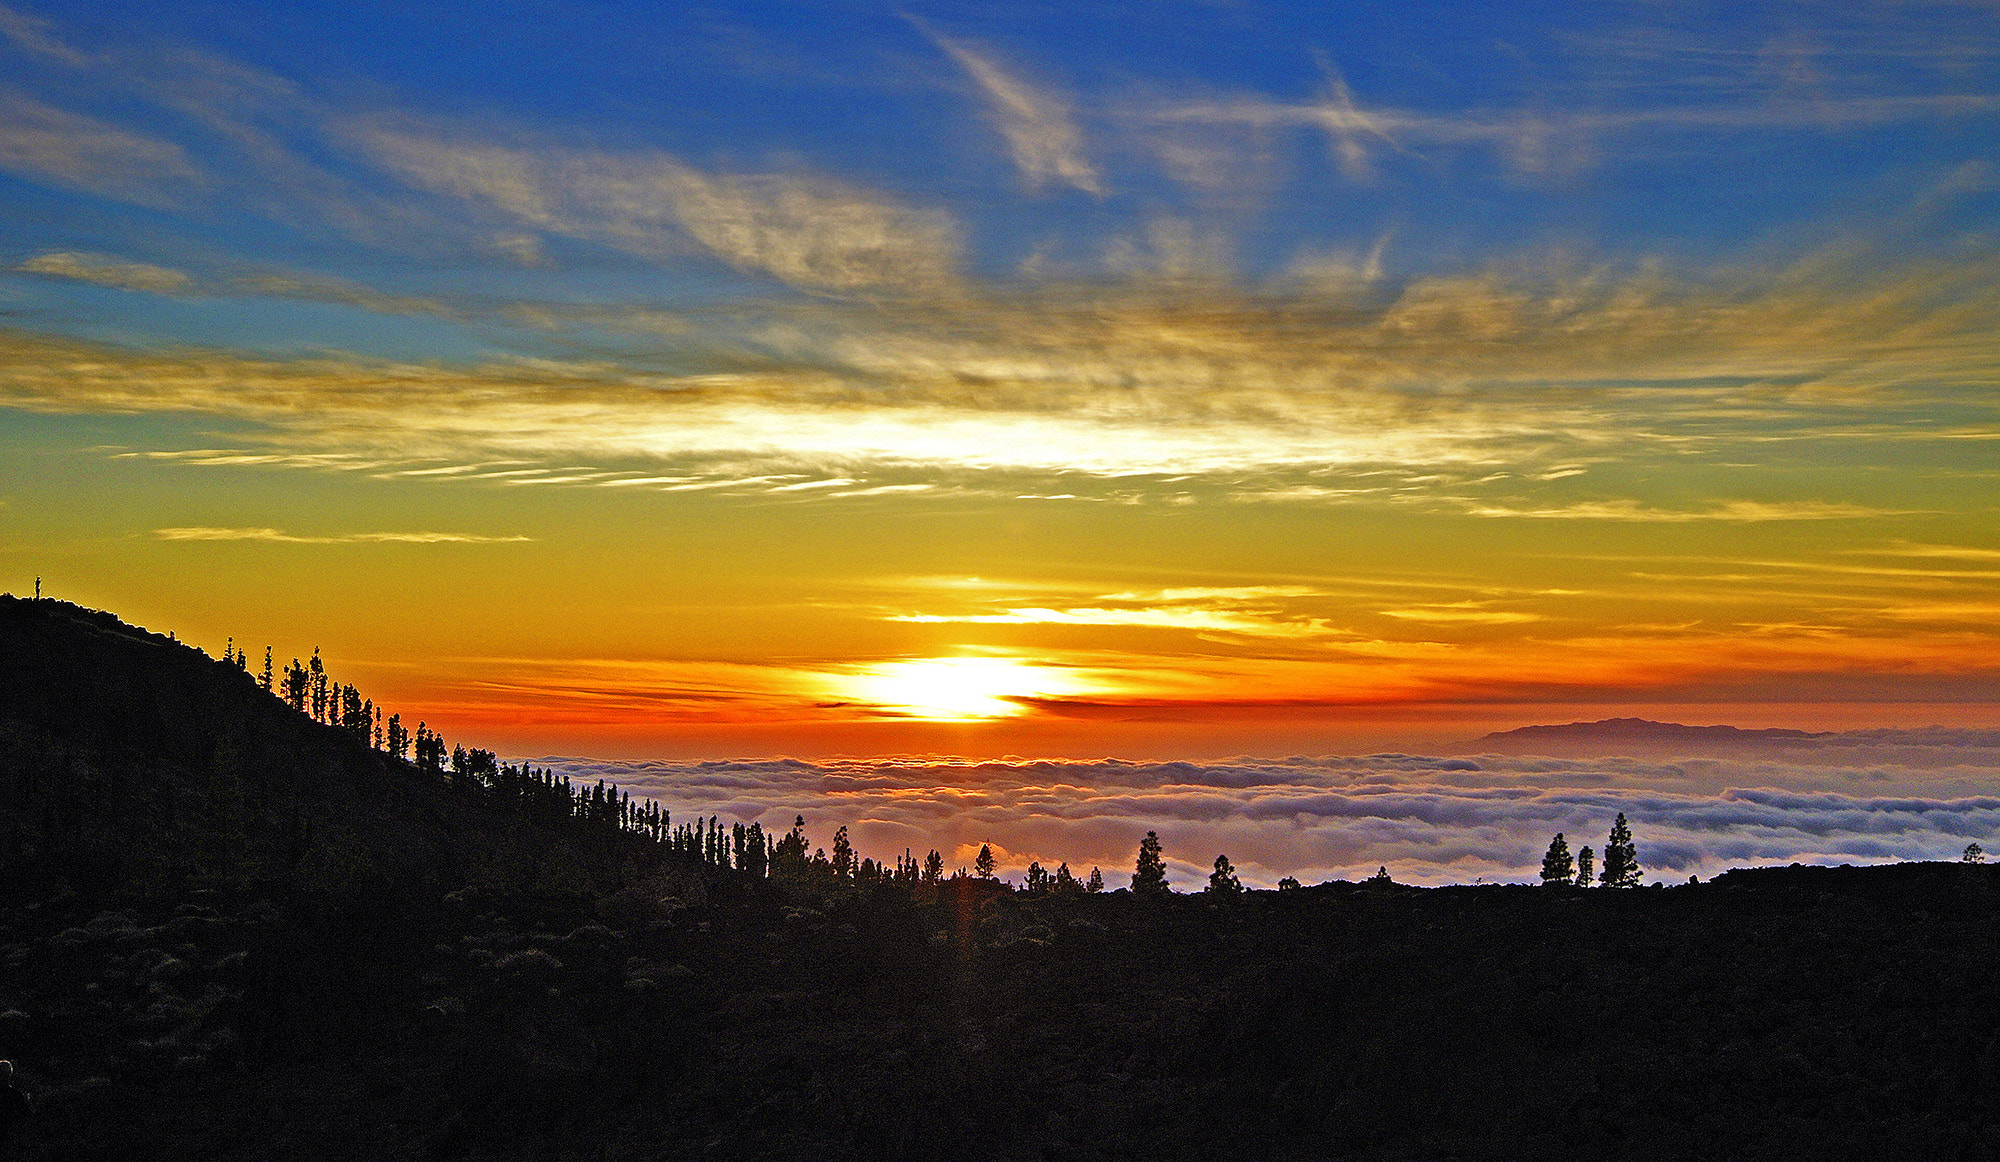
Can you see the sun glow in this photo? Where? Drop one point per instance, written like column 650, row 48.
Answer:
column 958, row 688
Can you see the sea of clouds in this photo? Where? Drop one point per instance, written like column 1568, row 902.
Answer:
column 1429, row 820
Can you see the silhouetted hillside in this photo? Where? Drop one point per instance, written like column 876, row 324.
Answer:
column 134, row 762
column 230, row 932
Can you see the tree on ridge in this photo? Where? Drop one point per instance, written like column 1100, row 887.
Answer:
column 1557, row 866
column 1149, row 876
column 1621, row 857
column 1222, row 881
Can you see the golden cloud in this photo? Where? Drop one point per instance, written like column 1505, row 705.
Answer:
column 106, row 271
column 1531, row 373
column 279, row 536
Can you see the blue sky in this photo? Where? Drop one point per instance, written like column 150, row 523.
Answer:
column 1315, row 368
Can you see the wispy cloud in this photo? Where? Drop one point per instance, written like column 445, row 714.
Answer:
column 1729, row 510
column 1944, row 552
column 200, row 533
column 106, row 271
column 44, row 143
column 808, row 231
column 1163, row 617
column 1038, row 127
column 1543, row 142
column 1462, row 613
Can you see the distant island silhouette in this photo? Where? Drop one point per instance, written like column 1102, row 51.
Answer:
column 234, row 926
column 1651, row 735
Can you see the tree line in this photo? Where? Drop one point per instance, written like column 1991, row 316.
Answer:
column 1621, row 861
column 545, row 796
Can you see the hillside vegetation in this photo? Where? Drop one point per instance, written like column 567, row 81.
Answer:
column 231, row 932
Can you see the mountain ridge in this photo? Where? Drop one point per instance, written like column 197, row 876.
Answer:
column 1652, row 733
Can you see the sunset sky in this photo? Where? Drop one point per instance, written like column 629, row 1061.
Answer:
column 1158, row 381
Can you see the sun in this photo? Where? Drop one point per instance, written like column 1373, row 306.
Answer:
column 957, row 689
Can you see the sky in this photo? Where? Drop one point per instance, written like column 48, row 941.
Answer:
column 829, row 381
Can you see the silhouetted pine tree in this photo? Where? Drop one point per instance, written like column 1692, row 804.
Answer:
column 1065, row 880
column 1096, row 881
column 1558, row 869
column 843, row 856
column 1586, row 864
column 1222, row 881
column 297, row 684
column 1037, row 878
column 933, row 868
column 983, row 865
column 317, row 689
column 1621, row 858
column 1149, row 875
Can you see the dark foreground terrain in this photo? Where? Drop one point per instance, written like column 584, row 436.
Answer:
column 227, row 931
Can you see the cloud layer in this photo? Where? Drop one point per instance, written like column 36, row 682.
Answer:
column 1429, row 820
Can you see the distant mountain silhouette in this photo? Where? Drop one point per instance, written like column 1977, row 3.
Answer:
column 1646, row 734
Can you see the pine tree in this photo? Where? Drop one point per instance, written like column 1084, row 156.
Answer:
column 1065, row 881
column 264, row 679
column 318, row 690
column 1621, row 858
column 1096, row 881
column 843, row 856
column 983, row 866
column 1558, row 869
column 1037, row 879
column 1149, row 876
column 933, row 868
column 1586, row 863
column 1973, row 854
column 1222, row 881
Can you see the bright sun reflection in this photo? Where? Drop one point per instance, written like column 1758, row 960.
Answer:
column 958, row 688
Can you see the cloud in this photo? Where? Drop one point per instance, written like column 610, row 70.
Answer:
column 38, row 36
column 341, row 292
column 1430, row 820
column 1285, row 395
column 1463, row 613
column 1040, row 133
column 280, row 536
column 1253, row 611
column 1167, row 617
column 42, row 143
column 1548, row 142
column 807, row 231
column 1948, row 552
column 105, row 271
column 1728, row 510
